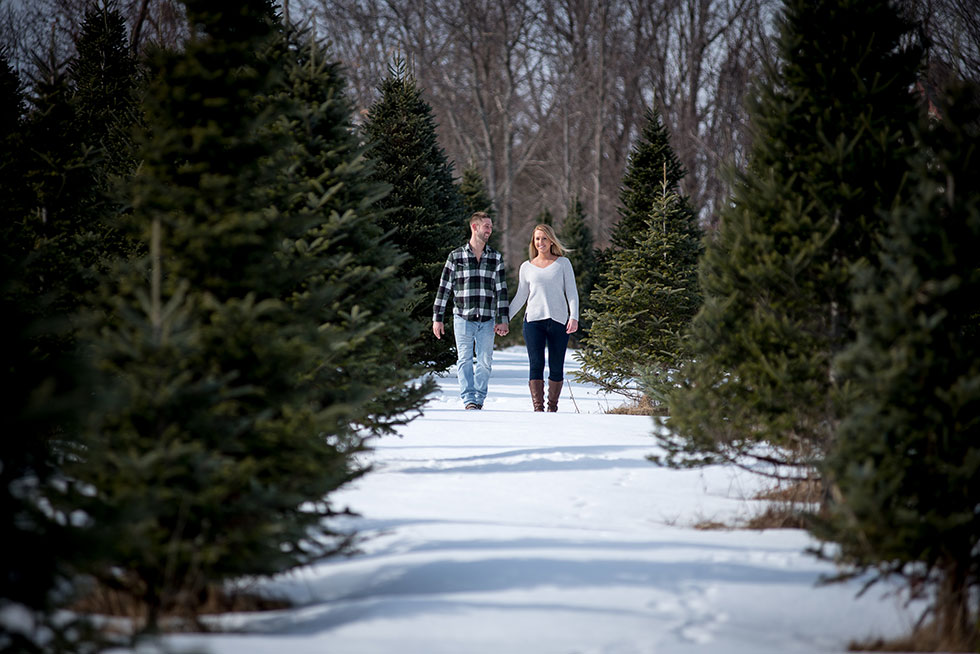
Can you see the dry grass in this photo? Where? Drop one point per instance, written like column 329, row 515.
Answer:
column 108, row 602
column 711, row 525
column 778, row 517
column 642, row 407
column 788, row 505
column 928, row 638
column 803, row 492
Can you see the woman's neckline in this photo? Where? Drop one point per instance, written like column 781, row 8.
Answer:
column 552, row 261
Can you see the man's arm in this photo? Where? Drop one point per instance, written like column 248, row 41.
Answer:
column 442, row 297
column 503, row 303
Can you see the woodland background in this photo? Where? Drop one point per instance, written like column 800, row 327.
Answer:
column 543, row 98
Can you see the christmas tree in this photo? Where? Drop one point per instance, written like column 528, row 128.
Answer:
column 241, row 358
column 647, row 291
column 577, row 236
column 645, row 300
column 425, row 209
column 104, row 77
column 476, row 197
column 39, row 411
column 833, row 131
column 651, row 162
column 906, row 465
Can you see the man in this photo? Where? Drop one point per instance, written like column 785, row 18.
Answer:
column 474, row 274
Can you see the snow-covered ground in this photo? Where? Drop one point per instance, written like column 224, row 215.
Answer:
column 503, row 531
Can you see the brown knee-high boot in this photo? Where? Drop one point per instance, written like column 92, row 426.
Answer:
column 554, row 390
column 537, row 393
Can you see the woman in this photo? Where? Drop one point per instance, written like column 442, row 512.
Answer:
column 547, row 284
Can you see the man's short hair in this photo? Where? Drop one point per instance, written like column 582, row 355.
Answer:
column 479, row 216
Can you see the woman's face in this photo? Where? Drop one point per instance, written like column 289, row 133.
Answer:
column 541, row 242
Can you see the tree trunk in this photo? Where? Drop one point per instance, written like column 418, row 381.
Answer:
column 953, row 605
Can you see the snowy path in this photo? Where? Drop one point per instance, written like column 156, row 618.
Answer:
column 509, row 532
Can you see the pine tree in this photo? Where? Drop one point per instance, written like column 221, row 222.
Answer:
column 906, row 466
column 348, row 281
column 39, row 408
column 645, row 301
column 650, row 160
column 231, row 416
column 75, row 106
column 544, row 217
column 13, row 107
column 832, row 128
column 104, row 79
column 425, row 209
column 577, row 236
column 61, row 195
column 476, row 197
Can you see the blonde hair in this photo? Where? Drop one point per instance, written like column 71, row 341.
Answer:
column 557, row 247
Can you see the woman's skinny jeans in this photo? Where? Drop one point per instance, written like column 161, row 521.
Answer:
column 539, row 334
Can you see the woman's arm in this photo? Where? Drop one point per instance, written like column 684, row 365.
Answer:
column 523, row 290
column 571, row 290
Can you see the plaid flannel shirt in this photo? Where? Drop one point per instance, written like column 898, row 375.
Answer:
column 478, row 288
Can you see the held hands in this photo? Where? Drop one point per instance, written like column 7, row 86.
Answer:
column 500, row 329
column 572, row 326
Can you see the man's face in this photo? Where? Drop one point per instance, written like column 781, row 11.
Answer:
column 482, row 229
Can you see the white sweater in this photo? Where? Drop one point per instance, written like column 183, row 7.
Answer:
column 549, row 292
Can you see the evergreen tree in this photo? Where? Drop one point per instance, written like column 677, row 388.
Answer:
column 346, row 268
column 907, row 461
column 12, row 110
column 832, row 128
column 577, row 236
column 13, row 107
column 425, row 210
column 60, row 194
column 104, row 78
column 39, row 408
column 645, row 301
column 231, row 418
column 544, row 217
column 67, row 158
column 476, row 197
column 651, row 160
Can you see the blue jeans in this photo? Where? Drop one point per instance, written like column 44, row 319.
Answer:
column 473, row 336
column 550, row 333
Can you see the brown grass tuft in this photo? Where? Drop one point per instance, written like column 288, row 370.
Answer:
column 642, row 407
column 788, row 505
column 809, row 491
column 778, row 517
column 109, row 602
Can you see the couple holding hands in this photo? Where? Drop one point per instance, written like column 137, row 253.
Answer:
column 474, row 277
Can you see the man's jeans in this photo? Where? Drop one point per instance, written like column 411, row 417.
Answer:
column 473, row 379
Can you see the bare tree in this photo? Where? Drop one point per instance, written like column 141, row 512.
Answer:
column 509, row 93
column 952, row 31
column 544, row 96
column 49, row 28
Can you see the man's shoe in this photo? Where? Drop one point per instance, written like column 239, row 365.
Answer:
column 472, row 406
